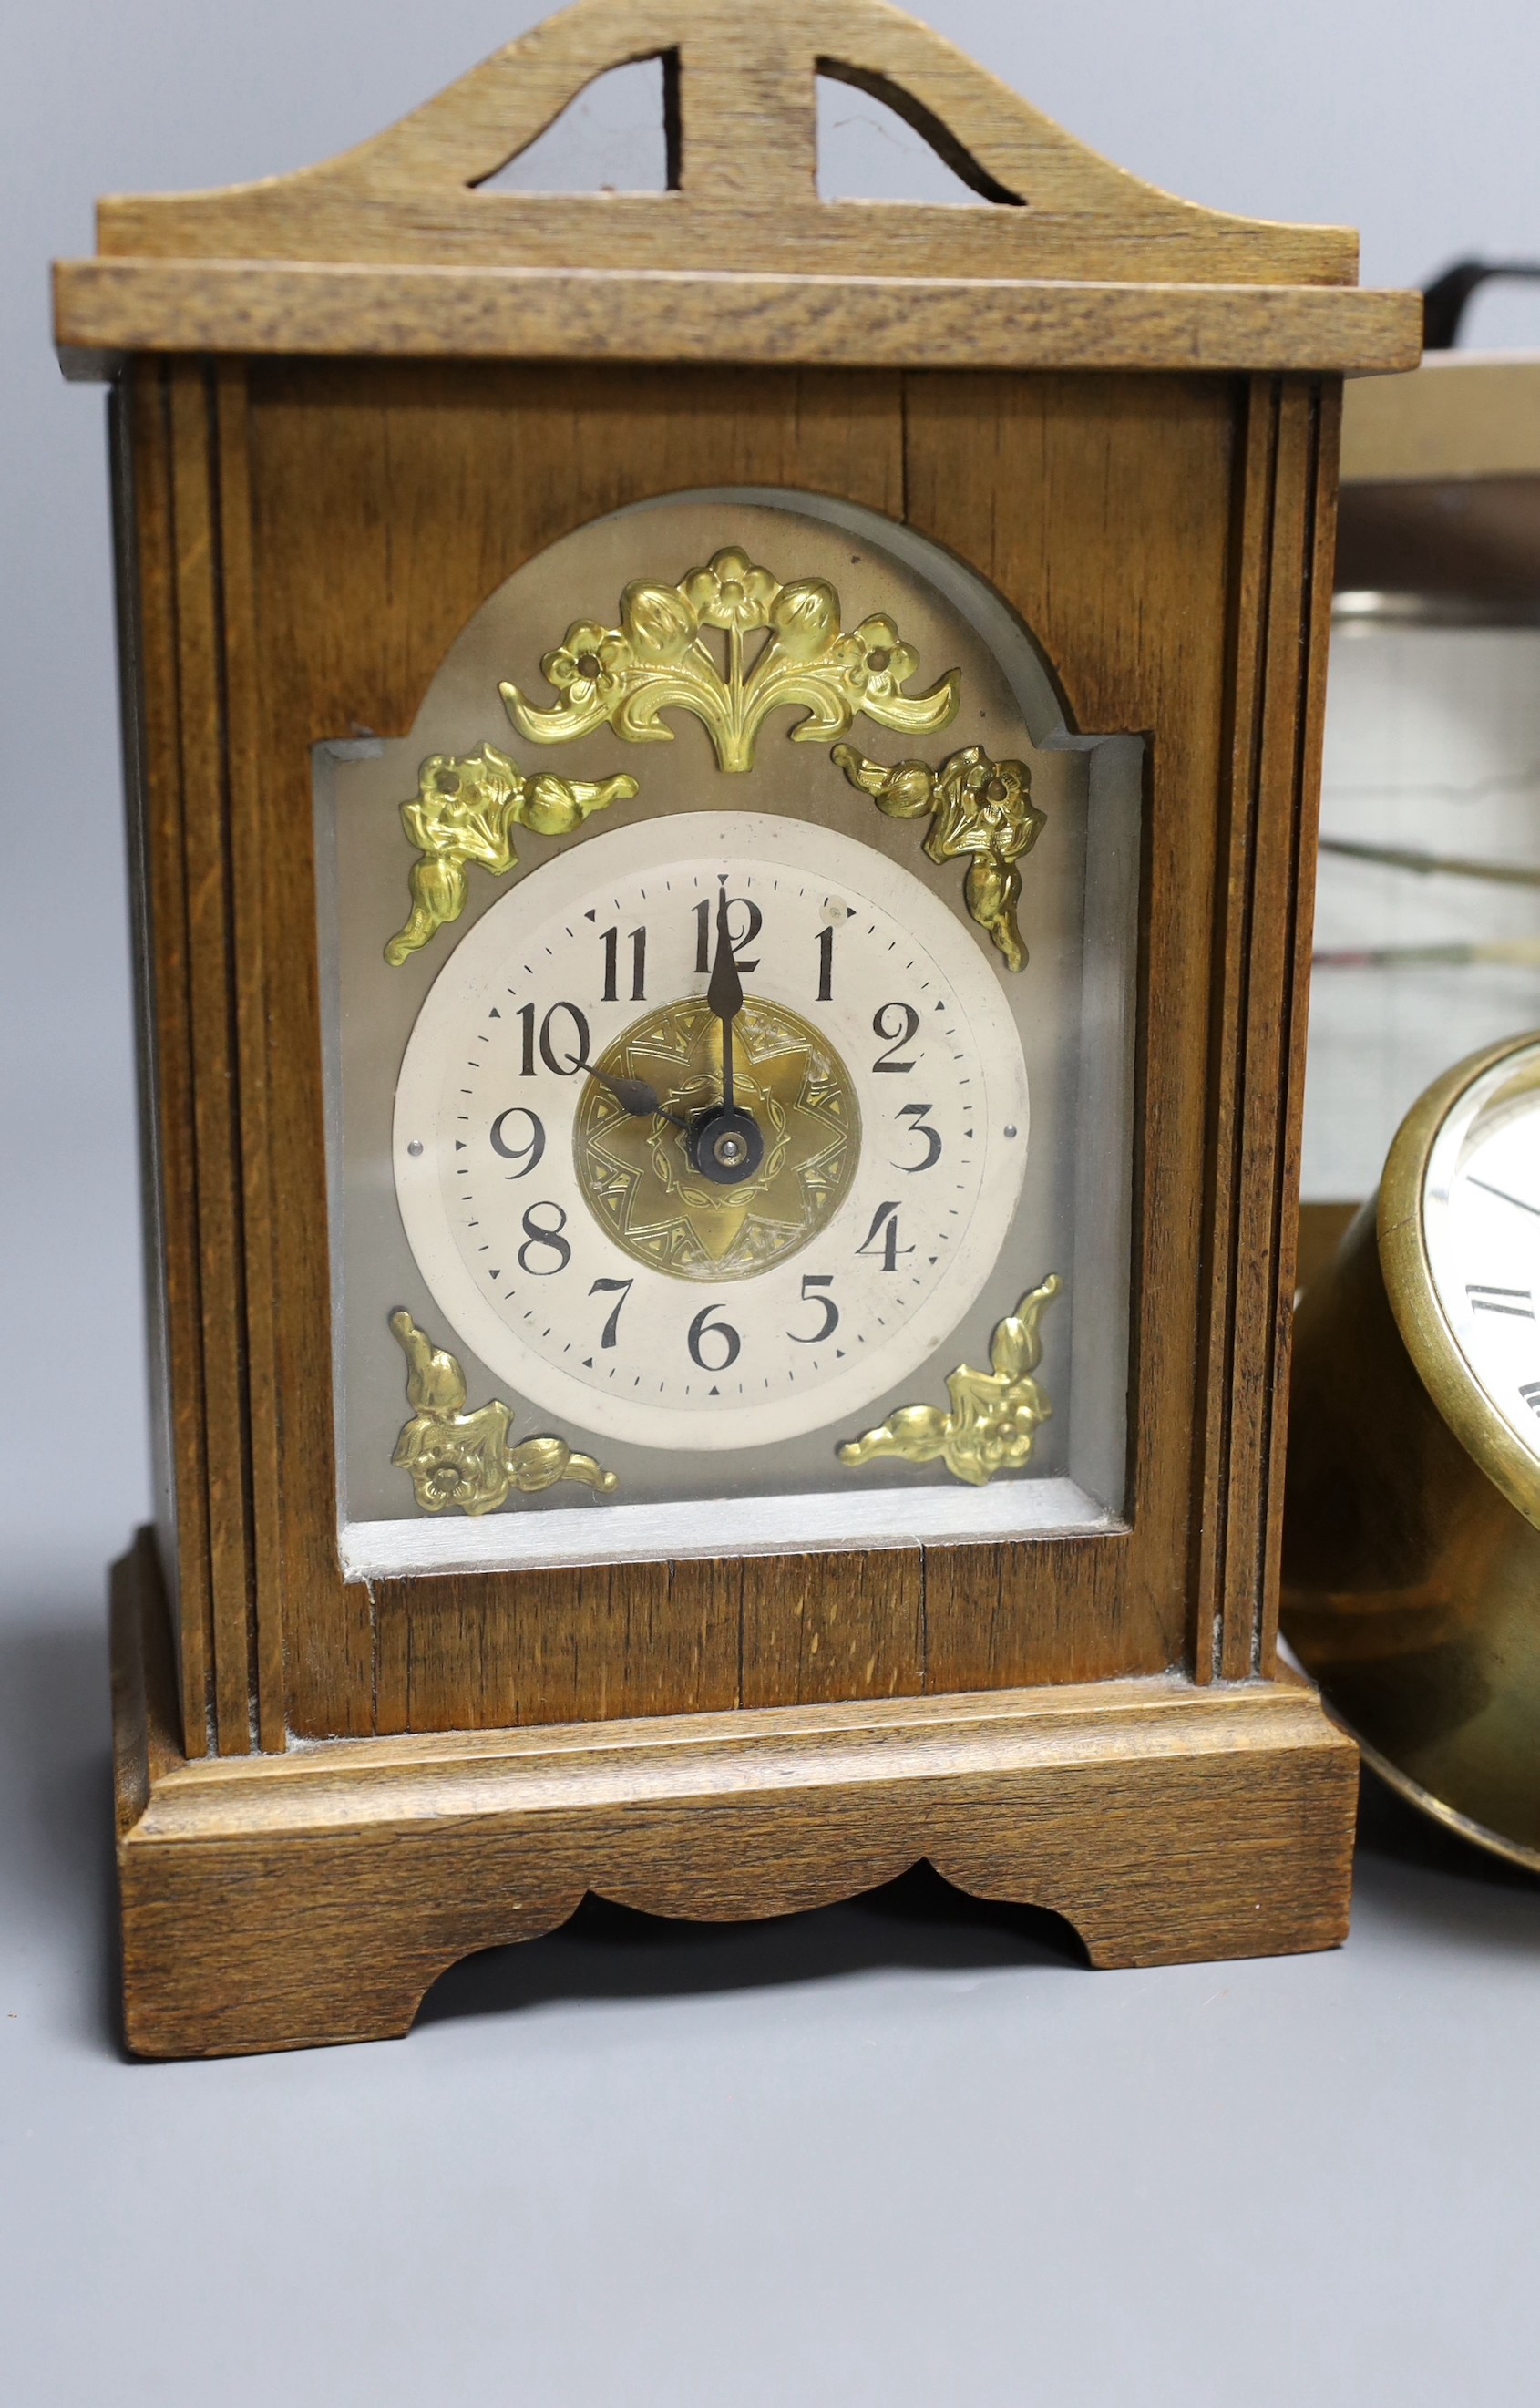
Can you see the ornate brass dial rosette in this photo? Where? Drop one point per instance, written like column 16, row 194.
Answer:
column 635, row 1172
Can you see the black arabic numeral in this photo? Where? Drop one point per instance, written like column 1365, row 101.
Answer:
column 811, row 1280
column 702, row 1328
column 611, row 942
column 530, row 1152
column 549, row 1055
column 885, row 1225
column 882, row 1026
column 539, row 1239
column 619, row 1290
column 826, row 965
column 917, row 1112
column 705, row 931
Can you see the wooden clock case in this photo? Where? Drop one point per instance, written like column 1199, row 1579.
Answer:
column 347, row 404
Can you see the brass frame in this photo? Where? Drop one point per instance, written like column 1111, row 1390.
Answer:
column 1434, row 1350
column 1479, row 1834
column 1411, row 1552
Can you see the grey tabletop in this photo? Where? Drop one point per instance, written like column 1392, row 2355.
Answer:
column 905, row 2150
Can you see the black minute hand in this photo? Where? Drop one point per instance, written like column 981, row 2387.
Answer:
column 724, row 994
column 1503, row 1196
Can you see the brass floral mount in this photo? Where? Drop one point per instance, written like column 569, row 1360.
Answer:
column 465, row 809
column 464, row 1459
column 979, row 809
column 995, row 1414
column 658, row 659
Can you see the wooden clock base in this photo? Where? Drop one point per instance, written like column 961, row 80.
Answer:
column 282, row 1902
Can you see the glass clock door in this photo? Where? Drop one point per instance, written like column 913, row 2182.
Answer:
column 730, row 1059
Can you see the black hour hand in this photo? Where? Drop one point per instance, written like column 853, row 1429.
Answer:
column 635, row 1096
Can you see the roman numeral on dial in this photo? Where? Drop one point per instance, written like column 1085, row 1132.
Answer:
column 1516, row 1301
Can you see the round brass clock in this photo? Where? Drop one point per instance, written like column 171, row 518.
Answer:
column 1412, row 1537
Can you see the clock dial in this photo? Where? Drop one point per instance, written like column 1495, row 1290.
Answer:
column 711, row 1130
column 1481, row 1217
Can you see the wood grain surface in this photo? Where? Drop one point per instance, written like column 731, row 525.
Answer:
column 284, row 1901
column 107, row 307
column 744, row 167
column 360, row 398
column 1063, row 261
column 1164, row 545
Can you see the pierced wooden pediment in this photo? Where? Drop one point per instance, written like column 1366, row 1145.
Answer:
column 741, row 80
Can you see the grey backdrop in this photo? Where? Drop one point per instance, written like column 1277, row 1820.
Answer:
column 902, row 2150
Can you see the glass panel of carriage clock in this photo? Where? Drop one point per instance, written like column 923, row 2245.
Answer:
column 729, row 1018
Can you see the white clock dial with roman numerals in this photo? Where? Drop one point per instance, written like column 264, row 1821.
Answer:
column 710, row 1131
column 1482, row 1221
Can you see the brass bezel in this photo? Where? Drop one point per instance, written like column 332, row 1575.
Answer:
column 1436, row 1355
column 1465, row 1826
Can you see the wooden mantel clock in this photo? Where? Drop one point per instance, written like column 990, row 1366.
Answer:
column 722, row 790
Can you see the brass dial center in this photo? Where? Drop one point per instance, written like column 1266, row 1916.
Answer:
column 680, row 1189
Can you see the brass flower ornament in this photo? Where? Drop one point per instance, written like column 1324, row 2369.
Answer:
column 980, row 809
column 995, row 1414
column 463, row 1458
column 467, row 807
column 691, row 646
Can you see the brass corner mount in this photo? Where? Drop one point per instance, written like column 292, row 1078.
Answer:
column 463, row 1458
column 995, row 1415
column 980, row 809
column 465, row 809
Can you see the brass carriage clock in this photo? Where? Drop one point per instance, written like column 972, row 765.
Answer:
column 722, row 793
